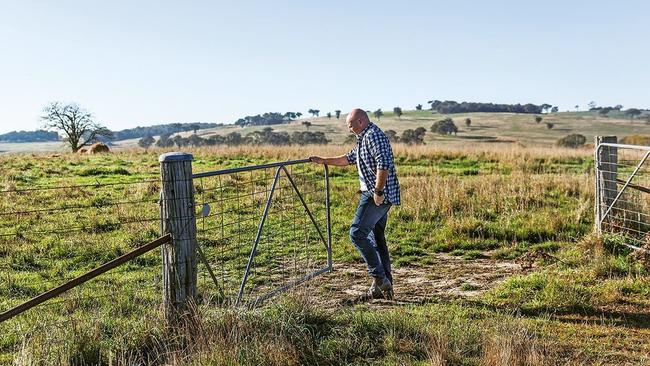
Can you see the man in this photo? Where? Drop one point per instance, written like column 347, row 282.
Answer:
column 379, row 191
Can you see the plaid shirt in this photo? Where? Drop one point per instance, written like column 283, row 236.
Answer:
column 373, row 152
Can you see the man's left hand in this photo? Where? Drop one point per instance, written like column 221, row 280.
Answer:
column 378, row 199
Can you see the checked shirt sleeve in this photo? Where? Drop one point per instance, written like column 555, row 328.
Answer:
column 381, row 151
column 352, row 155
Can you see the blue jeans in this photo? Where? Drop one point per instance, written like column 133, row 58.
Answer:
column 367, row 235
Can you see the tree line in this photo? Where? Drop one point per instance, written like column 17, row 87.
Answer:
column 155, row 130
column 126, row 134
column 264, row 137
column 269, row 118
column 450, row 106
column 30, row 136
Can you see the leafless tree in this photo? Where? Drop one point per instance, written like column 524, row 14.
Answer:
column 77, row 125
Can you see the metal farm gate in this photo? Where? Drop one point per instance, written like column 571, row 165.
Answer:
column 623, row 191
column 263, row 229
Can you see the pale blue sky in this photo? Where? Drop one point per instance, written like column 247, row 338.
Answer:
column 144, row 62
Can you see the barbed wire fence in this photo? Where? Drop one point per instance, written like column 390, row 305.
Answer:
column 261, row 230
column 623, row 192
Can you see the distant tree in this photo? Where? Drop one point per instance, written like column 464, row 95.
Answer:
column 468, row 122
column 78, row 125
column 314, row 112
column 546, row 107
column 538, row 119
column 298, row 114
column 418, row 107
column 444, row 127
column 577, row 107
column 233, row 138
column 195, row 127
column 592, row 105
column 337, row 113
column 398, row 112
column 146, row 142
column 392, row 135
column 329, row 115
column 604, row 111
column 180, row 141
column 165, row 140
column 307, row 124
column 574, row 141
column 618, row 107
column 420, row 131
column 195, row 140
column 549, row 125
column 378, row 113
column 555, row 109
column 633, row 112
column 215, row 140
column 412, row 137
column 304, row 137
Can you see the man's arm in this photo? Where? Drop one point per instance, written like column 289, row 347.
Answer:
column 383, row 154
column 382, row 176
column 343, row 160
column 336, row 161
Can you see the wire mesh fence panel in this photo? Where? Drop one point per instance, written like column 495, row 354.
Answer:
column 263, row 229
column 52, row 234
column 103, row 310
column 623, row 193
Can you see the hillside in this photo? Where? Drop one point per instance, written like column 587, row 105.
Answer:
column 485, row 128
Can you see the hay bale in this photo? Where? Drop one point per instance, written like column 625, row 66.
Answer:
column 98, row 148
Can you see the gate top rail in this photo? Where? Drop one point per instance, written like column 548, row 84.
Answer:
column 249, row 168
column 625, row 146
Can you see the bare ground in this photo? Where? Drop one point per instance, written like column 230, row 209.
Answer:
column 448, row 277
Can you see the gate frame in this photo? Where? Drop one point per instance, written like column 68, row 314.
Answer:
column 606, row 177
column 327, row 240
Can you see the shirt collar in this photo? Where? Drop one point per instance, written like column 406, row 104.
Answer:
column 362, row 133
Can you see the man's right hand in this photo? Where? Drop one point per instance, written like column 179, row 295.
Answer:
column 317, row 159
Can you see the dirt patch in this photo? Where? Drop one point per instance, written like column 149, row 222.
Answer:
column 448, row 277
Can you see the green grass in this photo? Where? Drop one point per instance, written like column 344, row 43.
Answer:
column 496, row 204
column 585, row 277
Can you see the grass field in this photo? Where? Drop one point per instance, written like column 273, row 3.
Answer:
column 495, row 263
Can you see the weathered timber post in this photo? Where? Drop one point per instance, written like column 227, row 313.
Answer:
column 606, row 174
column 178, row 219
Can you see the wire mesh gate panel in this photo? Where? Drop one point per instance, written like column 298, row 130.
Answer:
column 623, row 191
column 263, row 228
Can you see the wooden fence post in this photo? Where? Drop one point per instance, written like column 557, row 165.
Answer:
column 178, row 219
column 607, row 169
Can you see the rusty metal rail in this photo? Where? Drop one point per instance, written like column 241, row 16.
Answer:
column 83, row 278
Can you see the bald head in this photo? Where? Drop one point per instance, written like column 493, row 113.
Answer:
column 357, row 120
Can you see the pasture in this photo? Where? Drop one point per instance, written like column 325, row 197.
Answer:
column 495, row 261
column 498, row 128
